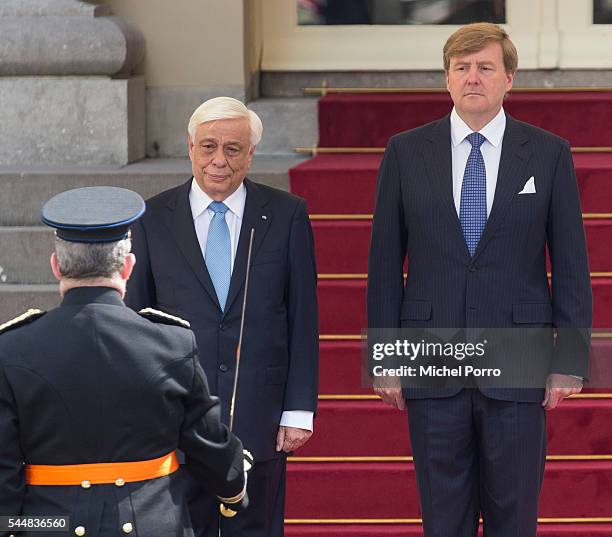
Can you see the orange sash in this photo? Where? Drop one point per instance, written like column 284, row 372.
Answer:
column 118, row 473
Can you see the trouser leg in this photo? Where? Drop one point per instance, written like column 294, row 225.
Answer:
column 512, row 448
column 445, row 454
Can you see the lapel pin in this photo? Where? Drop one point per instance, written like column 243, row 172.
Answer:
column 264, row 217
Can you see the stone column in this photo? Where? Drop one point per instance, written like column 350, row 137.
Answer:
column 68, row 92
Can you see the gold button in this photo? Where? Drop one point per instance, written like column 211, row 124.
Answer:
column 120, row 482
column 79, row 530
column 86, row 484
column 127, row 527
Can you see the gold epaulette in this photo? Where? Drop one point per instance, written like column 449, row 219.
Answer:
column 22, row 319
column 163, row 317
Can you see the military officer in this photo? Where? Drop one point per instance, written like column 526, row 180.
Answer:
column 95, row 398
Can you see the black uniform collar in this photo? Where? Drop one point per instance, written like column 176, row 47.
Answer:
column 92, row 295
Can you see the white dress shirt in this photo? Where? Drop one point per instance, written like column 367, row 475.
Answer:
column 202, row 216
column 490, row 149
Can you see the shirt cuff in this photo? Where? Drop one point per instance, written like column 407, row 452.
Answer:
column 301, row 419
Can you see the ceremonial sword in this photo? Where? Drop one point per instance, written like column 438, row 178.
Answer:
column 223, row 509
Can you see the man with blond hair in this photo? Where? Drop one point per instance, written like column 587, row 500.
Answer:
column 192, row 246
column 473, row 201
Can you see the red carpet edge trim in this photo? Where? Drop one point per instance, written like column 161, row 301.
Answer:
column 573, row 520
column 360, row 337
column 323, row 90
column 372, row 397
column 316, row 217
column 344, row 150
column 365, row 276
column 410, row 459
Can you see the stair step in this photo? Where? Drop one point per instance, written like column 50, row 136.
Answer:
column 368, row 120
column 341, row 372
column 343, row 246
column 342, row 305
column 319, row 490
column 25, row 255
column 577, row 427
column 15, row 299
column 346, row 184
column 26, row 189
column 416, row 530
column 340, row 246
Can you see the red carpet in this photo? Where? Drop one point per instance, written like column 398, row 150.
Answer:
column 388, row 490
column 320, row 493
column 576, row 427
column 346, row 184
column 415, row 530
column 368, row 120
column 339, row 368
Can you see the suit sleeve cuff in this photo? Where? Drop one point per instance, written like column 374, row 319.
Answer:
column 301, row 419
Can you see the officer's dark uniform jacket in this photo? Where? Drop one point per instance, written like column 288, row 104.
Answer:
column 92, row 382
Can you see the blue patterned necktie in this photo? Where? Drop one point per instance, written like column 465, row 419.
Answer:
column 218, row 255
column 473, row 208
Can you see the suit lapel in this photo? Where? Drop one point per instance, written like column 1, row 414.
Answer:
column 514, row 158
column 183, row 231
column 255, row 217
column 438, row 162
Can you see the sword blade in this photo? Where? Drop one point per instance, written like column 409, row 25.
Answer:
column 239, row 347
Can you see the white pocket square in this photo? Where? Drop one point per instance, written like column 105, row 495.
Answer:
column 529, row 187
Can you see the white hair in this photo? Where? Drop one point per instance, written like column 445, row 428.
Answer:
column 225, row 108
column 83, row 261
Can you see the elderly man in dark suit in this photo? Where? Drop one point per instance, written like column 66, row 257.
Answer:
column 473, row 201
column 192, row 246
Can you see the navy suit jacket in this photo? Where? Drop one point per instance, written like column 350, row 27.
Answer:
column 505, row 283
column 279, row 357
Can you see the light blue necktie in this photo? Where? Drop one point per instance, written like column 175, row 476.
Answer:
column 218, row 255
column 473, row 208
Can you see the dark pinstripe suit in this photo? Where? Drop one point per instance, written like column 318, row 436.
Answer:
column 503, row 285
